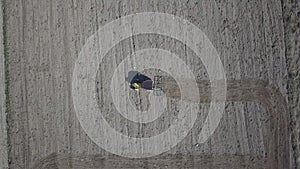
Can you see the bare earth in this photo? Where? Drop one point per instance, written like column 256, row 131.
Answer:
column 291, row 17
column 46, row 36
column 3, row 134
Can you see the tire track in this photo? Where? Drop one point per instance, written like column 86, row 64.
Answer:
column 258, row 91
column 65, row 161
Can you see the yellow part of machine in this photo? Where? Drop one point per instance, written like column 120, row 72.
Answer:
column 136, row 85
